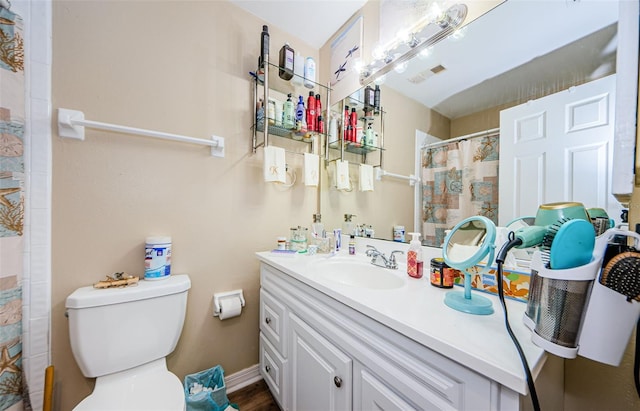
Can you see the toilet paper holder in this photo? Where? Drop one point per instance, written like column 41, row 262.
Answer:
column 218, row 297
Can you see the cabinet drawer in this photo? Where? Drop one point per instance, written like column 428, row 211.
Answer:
column 272, row 368
column 273, row 321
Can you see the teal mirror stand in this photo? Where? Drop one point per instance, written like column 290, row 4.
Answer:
column 463, row 236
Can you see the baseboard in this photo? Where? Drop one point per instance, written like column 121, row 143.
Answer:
column 242, row 378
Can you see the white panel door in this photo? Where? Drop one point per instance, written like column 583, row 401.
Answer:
column 321, row 374
column 559, row 148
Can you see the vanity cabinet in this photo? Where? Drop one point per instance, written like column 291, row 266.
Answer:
column 317, row 353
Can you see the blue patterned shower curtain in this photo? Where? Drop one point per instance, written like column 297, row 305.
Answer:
column 13, row 394
column 459, row 180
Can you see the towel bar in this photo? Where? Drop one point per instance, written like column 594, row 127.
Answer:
column 71, row 124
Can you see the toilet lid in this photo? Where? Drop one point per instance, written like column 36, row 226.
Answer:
column 158, row 391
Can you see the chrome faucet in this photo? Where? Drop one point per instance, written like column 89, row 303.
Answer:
column 386, row 262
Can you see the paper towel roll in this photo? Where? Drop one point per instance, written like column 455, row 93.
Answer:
column 230, row 307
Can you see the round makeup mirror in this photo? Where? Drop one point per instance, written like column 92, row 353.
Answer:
column 469, row 243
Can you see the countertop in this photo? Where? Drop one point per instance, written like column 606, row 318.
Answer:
column 417, row 310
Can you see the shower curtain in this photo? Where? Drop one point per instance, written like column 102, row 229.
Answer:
column 13, row 395
column 459, row 180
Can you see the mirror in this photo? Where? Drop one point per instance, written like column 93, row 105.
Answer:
column 470, row 242
column 518, row 51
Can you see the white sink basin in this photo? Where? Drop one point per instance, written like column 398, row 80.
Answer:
column 359, row 274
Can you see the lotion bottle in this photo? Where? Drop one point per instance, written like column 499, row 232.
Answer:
column 298, row 70
column 309, row 72
column 414, row 256
column 289, row 120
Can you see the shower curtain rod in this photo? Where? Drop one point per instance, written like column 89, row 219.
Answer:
column 71, row 124
column 485, row 133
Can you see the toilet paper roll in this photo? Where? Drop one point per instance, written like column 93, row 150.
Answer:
column 230, row 307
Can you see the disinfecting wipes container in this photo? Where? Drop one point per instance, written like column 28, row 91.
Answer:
column 157, row 260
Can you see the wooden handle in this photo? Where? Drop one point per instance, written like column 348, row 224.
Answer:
column 48, row 389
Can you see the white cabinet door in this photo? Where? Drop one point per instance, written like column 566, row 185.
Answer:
column 559, row 148
column 321, row 374
column 374, row 395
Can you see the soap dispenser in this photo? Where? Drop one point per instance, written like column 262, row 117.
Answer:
column 348, row 227
column 414, row 256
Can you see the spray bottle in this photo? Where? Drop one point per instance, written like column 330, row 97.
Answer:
column 414, row 256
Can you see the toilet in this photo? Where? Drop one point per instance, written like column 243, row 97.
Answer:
column 122, row 336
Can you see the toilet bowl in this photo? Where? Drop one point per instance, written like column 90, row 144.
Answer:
column 147, row 387
column 122, row 336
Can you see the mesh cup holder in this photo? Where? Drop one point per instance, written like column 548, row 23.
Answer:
column 533, row 301
column 557, row 309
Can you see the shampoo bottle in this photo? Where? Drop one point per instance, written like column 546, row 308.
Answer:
column 309, row 72
column 286, row 62
column 333, row 131
column 298, row 70
column 414, row 256
column 289, row 120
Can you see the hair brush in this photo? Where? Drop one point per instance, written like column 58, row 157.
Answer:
column 568, row 243
column 622, row 275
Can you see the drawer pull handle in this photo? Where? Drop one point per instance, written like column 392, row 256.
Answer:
column 267, row 368
column 267, row 320
column 337, row 381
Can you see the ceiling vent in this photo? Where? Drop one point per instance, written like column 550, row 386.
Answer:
column 423, row 75
column 437, row 69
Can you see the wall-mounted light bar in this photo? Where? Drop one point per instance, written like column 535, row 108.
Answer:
column 423, row 35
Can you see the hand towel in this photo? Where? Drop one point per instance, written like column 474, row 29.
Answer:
column 342, row 175
column 311, row 170
column 274, row 165
column 366, row 177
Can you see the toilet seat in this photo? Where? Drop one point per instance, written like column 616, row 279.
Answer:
column 147, row 387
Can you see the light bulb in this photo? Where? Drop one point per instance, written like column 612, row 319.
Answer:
column 358, row 65
column 458, row 34
column 425, row 53
column 401, row 67
column 404, row 36
column 435, row 12
column 380, row 80
column 378, row 52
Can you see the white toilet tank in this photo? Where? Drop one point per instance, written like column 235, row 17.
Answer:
column 115, row 329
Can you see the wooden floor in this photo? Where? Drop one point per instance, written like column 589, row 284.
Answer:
column 254, row 397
